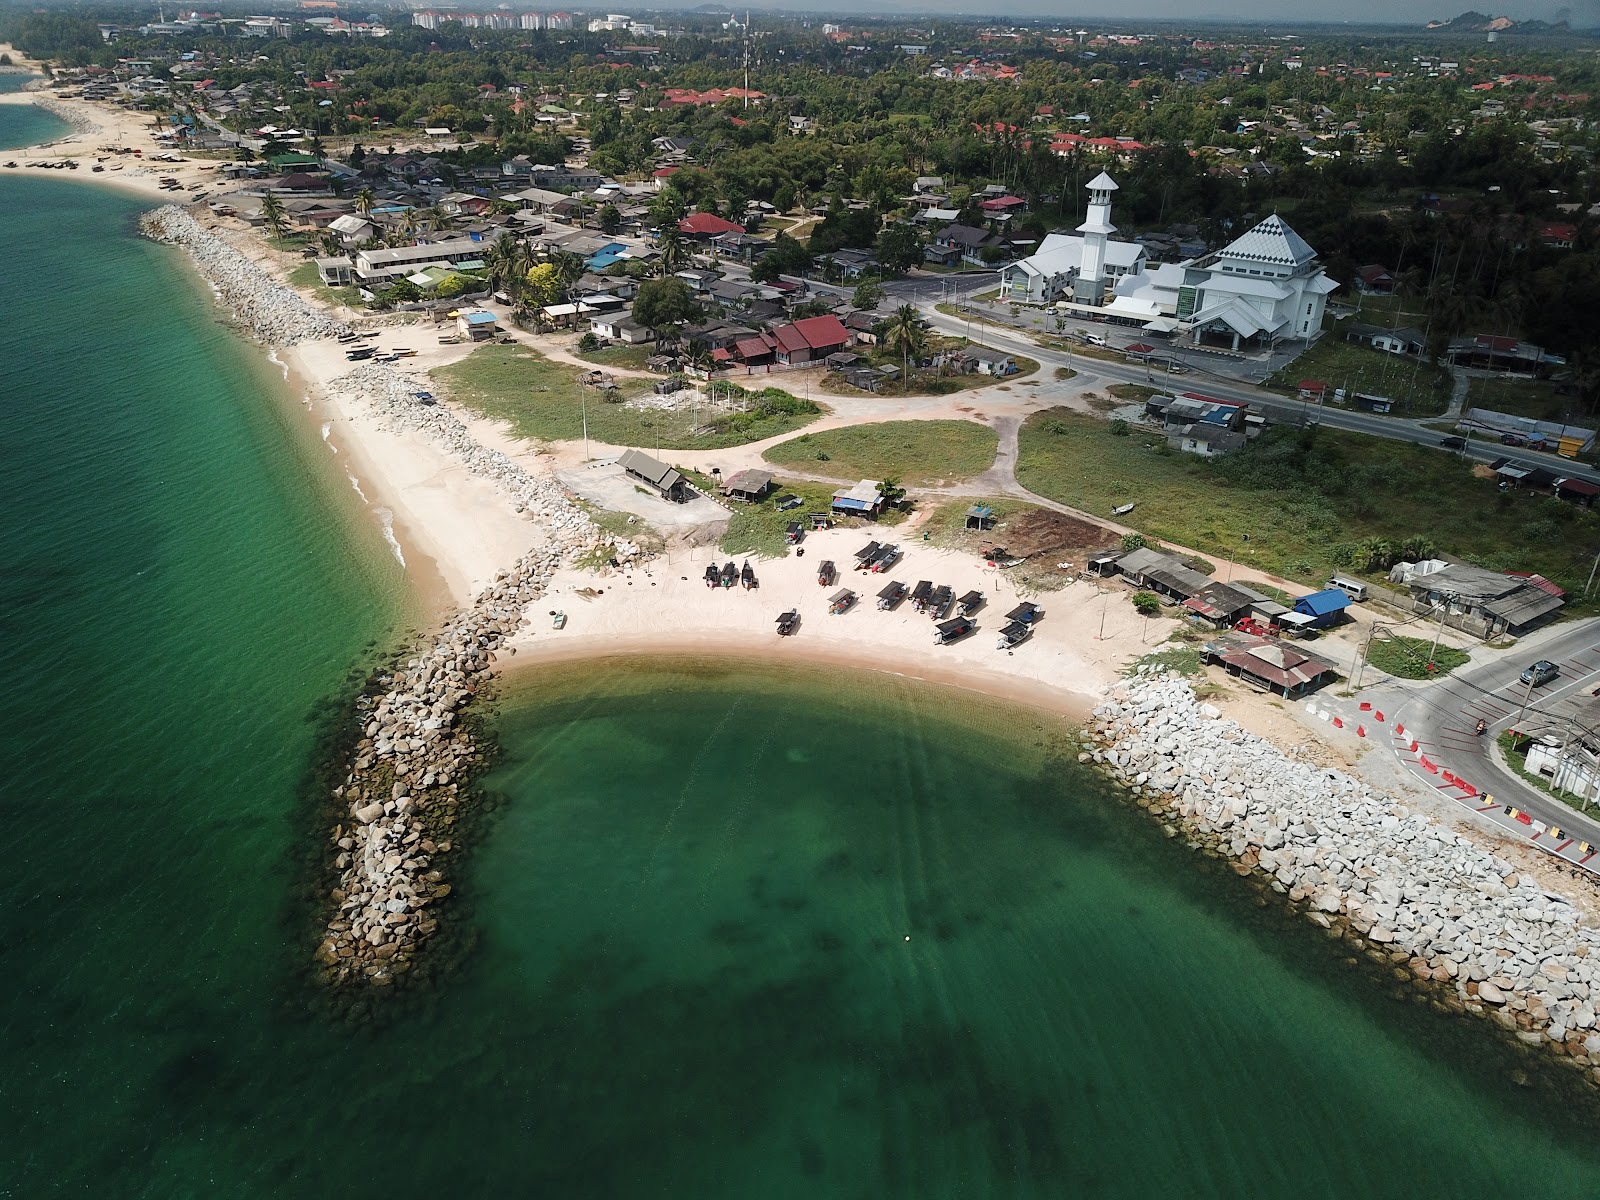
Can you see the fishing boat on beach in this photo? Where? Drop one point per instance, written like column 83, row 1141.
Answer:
column 939, row 602
column 865, row 555
column 891, row 596
column 1026, row 613
column 788, row 622
column 952, row 630
column 713, row 575
column 920, row 594
column 968, row 604
column 841, row 601
column 747, row 576
column 827, row 573
column 1014, row 634
column 730, row 575
column 886, row 557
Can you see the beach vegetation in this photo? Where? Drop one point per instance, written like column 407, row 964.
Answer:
column 1179, row 656
column 916, row 453
column 545, row 400
column 1299, row 503
column 272, row 212
column 1146, row 604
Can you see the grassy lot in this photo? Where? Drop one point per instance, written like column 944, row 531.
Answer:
column 1407, row 658
column 1419, row 389
column 1308, row 501
column 305, row 276
column 760, row 529
column 1081, row 349
column 543, row 399
column 629, row 358
column 917, row 453
column 1534, row 398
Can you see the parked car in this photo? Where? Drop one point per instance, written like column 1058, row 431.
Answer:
column 1453, row 443
column 1542, row 672
column 1513, row 439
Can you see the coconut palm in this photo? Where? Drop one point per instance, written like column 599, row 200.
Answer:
column 272, row 213
column 365, row 199
column 569, row 266
column 674, row 250
column 906, row 333
column 508, row 261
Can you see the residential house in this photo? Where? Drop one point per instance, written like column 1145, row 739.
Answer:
column 1153, row 569
column 748, row 486
column 1478, row 600
column 1375, row 278
column 381, row 264
column 863, row 500
column 991, row 362
column 620, row 328
column 1325, row 608
column 1406, row 340
column 1208, row 441
column 1268, row 663
column 810, row 340
column 962, row 244
column 702, row 227
column 476, row 324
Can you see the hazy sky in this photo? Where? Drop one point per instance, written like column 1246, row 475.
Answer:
column 1583, row 13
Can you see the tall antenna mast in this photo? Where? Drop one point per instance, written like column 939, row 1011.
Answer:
column 747, row 58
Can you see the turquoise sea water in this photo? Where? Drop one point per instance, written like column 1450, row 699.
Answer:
column 23, row 124
column 691, row 974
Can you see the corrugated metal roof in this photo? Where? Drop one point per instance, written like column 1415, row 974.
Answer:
column 1320, row 604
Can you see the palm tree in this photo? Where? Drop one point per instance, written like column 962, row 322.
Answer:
column 906, row 332
column 508, row 261
column 674, row 250
column 569, row 266
column 272, row 213
column 365, row 200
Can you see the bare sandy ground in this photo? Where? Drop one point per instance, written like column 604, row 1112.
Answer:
column 665, row 607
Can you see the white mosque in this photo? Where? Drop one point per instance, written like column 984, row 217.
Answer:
column 1264, row 286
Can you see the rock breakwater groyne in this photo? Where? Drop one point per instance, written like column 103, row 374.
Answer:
column 1450, row 912
column 263, row 307
column 71, row 114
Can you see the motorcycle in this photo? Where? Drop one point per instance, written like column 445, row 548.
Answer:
column 1483, row 727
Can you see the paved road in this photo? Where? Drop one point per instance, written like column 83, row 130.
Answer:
column 1443, row 715
column 1200, row 377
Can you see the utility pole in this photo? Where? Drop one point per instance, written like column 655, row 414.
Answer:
column 1438, row 633
column 1527, row 693
column 583, row 400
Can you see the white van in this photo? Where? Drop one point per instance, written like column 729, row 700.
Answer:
column 1353, row 588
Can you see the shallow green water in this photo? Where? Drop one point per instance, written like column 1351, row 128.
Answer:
column 691, row 976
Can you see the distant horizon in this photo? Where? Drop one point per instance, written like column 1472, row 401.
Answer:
column 1403, row 14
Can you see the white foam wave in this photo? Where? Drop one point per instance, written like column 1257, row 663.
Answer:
column 386, row 522
column 356, row 483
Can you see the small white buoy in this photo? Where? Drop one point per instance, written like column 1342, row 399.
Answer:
column 908, row 937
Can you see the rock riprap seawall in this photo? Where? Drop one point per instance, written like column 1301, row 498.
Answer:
column 1452, row 912
column 404, row 789
column 262, row 306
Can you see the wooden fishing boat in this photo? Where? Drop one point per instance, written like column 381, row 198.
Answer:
column 952, row 630
column 747, row 577
column 939, row 602
column 1025, row 613
column 891, row 595
column 827, row 573
column 788, row 622
column 1014, row 634
column 969, row 604
column 841, row 601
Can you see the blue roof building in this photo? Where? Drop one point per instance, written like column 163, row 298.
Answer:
column 1322, row 607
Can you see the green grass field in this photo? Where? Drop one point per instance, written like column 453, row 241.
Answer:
column 1419, row 389
column 1533, row 398
column 628, row 358
column 917, row 453
column 306, row 277
column 1408, row 658
column 1293, row 501
column 544, row 400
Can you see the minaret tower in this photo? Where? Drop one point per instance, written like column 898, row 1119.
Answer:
column 1089, row 287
